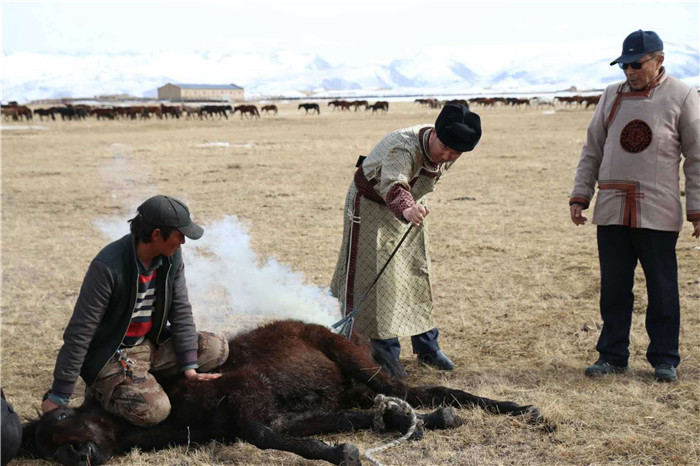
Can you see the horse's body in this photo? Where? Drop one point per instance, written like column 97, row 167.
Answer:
column 211, row 110
column 17, row 112
column 380, row 105
column 283, row 380
column 170, row 111
column 591, row 100
column 192, row 111
column 45, row 112
column 250, row 111
column 310, row 108
column 104, row 113
column 269, row 109
column 360, row 103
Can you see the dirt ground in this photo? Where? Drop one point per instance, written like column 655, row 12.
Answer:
column 516, row 283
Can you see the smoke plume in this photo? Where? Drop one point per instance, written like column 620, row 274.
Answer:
column 232, row 289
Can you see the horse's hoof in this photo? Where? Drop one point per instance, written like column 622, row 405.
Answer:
column 533, row 415
column 419, row 431
column 351, row 455
column 450, row 420
column 549, row 428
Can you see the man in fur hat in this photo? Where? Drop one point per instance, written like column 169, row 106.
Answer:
column 633, row 152
column 389, row 192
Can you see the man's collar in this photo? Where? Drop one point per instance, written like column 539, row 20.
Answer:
column 155, row 263
column 660, row 78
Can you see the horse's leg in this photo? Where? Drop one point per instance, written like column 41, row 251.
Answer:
column 430, row 396
column 304, row 425
column 393, row 419
column 266, row 438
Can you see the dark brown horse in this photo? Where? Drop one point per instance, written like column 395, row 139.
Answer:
column 250, row 111
column 359, row 103
column 591, row 100
column 170, row 111
column 310, row 107
column 343, row 105
column 269, row 109
column 282, row 381
column 380, row 105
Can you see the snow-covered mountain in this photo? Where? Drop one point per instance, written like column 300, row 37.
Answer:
column 543, row 68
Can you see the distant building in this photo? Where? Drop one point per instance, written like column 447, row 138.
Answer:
column 200, row 92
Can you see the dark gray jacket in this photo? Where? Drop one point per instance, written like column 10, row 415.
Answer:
column 103, row 312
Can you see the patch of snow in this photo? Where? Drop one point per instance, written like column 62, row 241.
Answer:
column 25, row 127
column 214, row 144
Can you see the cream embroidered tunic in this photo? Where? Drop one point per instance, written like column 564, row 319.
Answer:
column 633, row 151
column 401, row 301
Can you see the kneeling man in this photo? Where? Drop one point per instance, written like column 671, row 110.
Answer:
column 119, row 336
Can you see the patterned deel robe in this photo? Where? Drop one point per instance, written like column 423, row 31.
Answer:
column 401, row 303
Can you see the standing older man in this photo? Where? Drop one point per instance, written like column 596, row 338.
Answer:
column 633, row 151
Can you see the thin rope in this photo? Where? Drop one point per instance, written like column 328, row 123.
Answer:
column 384, row 403
column 344, row 325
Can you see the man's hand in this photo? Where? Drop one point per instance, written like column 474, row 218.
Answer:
column 696, row 228
column 194, row 375
column 47, row 406
column 416, row 214
column 577, row 214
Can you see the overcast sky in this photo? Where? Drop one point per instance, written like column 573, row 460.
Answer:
column 348, row 32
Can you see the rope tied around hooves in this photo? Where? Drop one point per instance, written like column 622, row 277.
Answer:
column 384, row 403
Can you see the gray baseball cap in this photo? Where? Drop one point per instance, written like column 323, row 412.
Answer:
column 165, row 211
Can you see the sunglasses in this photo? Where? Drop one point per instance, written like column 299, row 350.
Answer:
column 637, row 65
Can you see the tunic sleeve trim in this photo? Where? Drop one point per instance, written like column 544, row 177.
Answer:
column 399, row 199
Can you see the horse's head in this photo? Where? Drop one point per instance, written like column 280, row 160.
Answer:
column 73, row 437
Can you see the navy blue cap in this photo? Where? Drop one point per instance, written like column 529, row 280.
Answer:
column 638, row 44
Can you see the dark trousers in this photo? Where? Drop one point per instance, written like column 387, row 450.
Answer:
column 426, row 342
column 619, row 249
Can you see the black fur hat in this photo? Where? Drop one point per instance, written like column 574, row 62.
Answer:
column 458, row 128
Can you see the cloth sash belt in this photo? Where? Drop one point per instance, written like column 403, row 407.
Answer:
column 366, row 187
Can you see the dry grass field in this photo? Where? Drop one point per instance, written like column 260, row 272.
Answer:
column 516, row 283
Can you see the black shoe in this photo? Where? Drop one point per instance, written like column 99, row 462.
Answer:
column 601, row 368
column 436, row 359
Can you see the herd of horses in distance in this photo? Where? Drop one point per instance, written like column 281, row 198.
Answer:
column 15, row 112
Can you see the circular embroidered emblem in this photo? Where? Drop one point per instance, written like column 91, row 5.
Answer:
column 635, row 137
